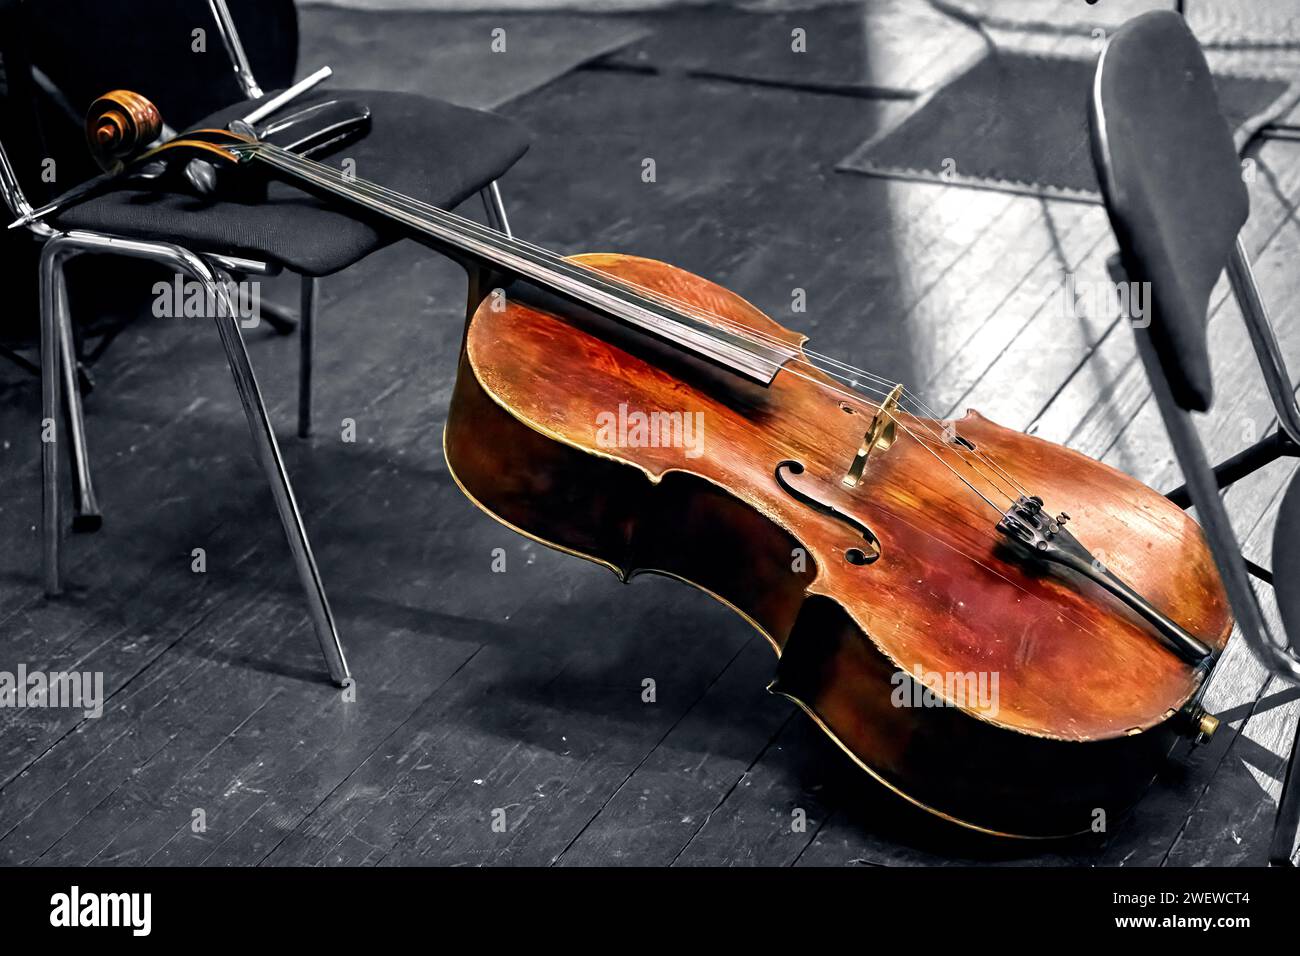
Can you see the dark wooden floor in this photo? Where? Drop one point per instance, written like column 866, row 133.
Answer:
column 521, row 691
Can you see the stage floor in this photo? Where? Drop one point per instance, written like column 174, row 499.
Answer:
column 485, row 695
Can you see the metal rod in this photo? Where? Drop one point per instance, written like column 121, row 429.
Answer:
column 248, row 267
column 306, row 346
column 1287, row 822
column 235, row 49
column 264, row 110
column 268, row 451
column 1276, row 377
column 495, row 208
column 10, row 188
column 1243, row 463
column 50, row 277
column 1214, row 519
column 86, row 515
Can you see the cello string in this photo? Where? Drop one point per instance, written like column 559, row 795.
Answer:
column 926, row 416
column 309, row 170
column 481, row 232
column 312, row 170
column 846, row 373
column 616, row 281
column 678, row 305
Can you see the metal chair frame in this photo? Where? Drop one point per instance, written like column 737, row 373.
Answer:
column 1285, row 440
column 61, row 394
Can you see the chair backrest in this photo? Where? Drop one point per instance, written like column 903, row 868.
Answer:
column 87, row 47
column 80, row 49
column 1171, row 180
column 56, row 56
column 19, row 107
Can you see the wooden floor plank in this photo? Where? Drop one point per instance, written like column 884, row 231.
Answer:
column 669, row 796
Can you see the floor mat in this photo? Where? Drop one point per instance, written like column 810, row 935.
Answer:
column 894, row 48
column 1259, row 23
column 390, row 50
column 1018, row 122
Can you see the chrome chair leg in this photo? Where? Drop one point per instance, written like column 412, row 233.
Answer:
column 306, row 345
column 86, row 516
column 494, row 208
column 51, row 273
column 1281, row 387
column 250, row 396
column 1287, row 825
column 268, row 451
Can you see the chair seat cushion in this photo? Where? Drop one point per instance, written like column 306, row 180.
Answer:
column 1286, row 561
column 422, row 147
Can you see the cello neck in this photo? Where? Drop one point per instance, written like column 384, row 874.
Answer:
column 472, row 242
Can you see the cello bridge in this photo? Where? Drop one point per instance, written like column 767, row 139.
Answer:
column 880, row 435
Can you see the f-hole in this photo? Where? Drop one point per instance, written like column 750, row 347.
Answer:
column 867, row 554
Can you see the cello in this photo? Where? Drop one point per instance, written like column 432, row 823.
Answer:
column 999, row 629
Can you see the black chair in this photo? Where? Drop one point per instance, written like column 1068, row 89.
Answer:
column 1171, row 180
column 420, row 146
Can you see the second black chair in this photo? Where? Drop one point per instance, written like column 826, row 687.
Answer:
column 1172, row 183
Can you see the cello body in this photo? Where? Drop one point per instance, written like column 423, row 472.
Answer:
column 887, row 603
